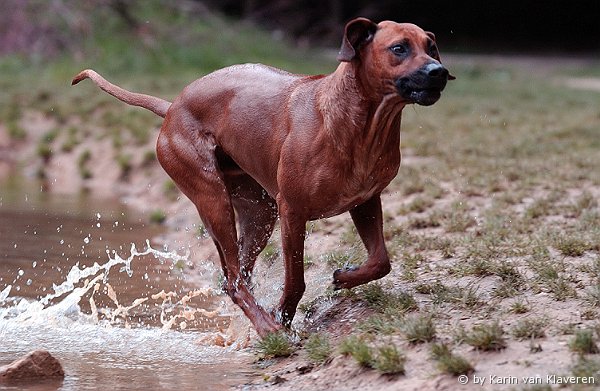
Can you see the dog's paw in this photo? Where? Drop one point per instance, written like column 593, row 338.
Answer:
column 338, row 282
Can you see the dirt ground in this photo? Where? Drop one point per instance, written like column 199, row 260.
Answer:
column 488, row 222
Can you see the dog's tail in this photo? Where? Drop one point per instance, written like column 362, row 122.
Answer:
column 156, row 105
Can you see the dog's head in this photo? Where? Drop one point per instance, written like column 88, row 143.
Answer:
column 397, row 58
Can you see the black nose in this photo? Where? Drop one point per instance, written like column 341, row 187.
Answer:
column 436, row 70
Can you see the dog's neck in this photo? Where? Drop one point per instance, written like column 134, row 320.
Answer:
column 354, row 120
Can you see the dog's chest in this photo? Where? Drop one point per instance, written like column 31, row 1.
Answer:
column 366, row 183
column 345, row 190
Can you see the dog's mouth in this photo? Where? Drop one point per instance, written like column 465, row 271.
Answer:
column 422, row 96
column 425, row 86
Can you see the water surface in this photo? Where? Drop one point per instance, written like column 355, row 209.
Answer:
column 48, row 243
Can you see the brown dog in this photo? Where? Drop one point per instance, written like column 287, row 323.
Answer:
column 266, row 143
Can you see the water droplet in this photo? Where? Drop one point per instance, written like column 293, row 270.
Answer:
column 86, row 240
column 21, row 272
column 34, row 264
column 62, row 242
column 29, row 282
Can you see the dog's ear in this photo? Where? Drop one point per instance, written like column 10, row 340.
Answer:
column 436, row 53
column 358, row 32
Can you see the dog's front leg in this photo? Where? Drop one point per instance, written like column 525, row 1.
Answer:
column 368, row 219
column 293, row 228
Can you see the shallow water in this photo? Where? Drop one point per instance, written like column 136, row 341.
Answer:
column 111, row 329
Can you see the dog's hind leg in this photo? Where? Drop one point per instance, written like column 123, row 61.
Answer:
column 256, row 214
column 368, row 220
column 188, row 156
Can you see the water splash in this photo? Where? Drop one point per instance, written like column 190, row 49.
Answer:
column 78, row 283
column 4, row 294
column 76, row 274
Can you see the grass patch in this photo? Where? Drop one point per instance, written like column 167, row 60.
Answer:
column 275, row 345
column 583, row 342
column 449, row 362
column 359, row 350
column 170, row 190
column 571, row 245
column 593, row 295
column 380, row 324
column 486, row 337
column 386, row 359
column 418, row 205
column 418, row 328
column 44, row 151
column 588, row 368
column 550, row 275
column 125, row 164
column 318, row 348
column 411, row 263
column 530, row 328
column 585, row 202
column 158, row 216
column 519, row 307
column 465, row 297
column 389, row 361
column 82, row 162
column 431, row 220
column 458, row 219
column 512, row 280
column 386, row 301
column 539, row 208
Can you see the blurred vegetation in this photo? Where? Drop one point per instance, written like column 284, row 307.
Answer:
column 153, row 46
column 183, row 39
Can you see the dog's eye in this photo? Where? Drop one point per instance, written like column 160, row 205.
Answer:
column 433, row 51
column 399, row 50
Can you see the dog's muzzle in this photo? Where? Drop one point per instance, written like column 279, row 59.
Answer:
column 425, row 85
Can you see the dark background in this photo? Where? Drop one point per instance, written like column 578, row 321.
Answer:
column 538, row 26
column 50, row 28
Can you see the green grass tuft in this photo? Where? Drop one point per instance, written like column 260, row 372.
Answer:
column 358, row 349
column 158, row 216
column 318, row 348
column 385, row 301
column 275, row 345
column 450, row 363
column 584, row 342
column 418, row 328
column 530, row 328
column 486, row 337
column 389, row 361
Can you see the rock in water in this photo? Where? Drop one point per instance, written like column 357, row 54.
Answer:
column 39, row 364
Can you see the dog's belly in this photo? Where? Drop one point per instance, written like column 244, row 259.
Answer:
column 344, row 204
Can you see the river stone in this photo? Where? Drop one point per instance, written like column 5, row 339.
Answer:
column 39, row 364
